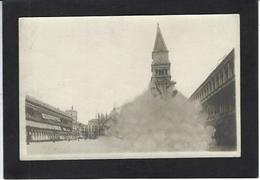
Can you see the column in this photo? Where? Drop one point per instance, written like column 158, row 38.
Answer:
column 220, row 78
column 229, row 71
column 224, row 75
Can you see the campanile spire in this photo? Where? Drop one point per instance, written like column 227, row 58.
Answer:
column 159, row 45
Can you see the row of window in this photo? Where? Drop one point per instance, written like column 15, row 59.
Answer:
column 43, row 135
column 161, row 72
column 220, row 108
column 226, row 73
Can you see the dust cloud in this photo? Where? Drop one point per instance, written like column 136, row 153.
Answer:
column 156, row 124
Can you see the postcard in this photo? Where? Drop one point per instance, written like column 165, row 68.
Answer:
column 120, row 87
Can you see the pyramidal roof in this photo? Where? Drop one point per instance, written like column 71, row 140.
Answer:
column 159, row 44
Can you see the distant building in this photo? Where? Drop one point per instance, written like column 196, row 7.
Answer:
column 83, row 131
column 93, row 129
column 161, row 83
column 45, row 122
column 217, row 96
column 75, row 130
column 80, row 130
column 73, row 114
column 96, row 127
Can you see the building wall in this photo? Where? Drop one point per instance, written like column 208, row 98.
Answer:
column 93, row 128
column 73, row 114
column 46, row 123
column 217, row 96
column 96, row 127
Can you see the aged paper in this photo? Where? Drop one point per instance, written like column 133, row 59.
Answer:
column 129, row 87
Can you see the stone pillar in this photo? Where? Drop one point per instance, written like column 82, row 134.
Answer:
column 224, row 75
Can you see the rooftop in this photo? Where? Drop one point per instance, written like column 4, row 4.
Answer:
column 45, row 105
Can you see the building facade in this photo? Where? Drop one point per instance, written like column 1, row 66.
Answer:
column 45, row 122
column 97, row 126
column 217, row 97
column 83, row 131
column 73, row 114
column 161, row 83
column 93, row 129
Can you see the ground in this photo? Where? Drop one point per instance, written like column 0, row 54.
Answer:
column 70, row 147
column 82, row 146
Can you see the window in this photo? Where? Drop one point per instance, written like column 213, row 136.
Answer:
column 232, row 68
column 227, row 71
column 216, row 82
column 223, row 75
column 220, row 78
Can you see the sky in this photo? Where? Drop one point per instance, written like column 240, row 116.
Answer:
column 97, row 63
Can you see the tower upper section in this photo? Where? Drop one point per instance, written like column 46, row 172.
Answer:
column 161, row 69
column 160, row 51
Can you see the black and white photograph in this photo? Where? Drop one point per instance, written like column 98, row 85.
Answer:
column 122, row 87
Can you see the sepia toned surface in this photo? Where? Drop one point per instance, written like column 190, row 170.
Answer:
column 97, row 71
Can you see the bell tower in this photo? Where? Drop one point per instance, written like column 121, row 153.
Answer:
column 161, row 66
